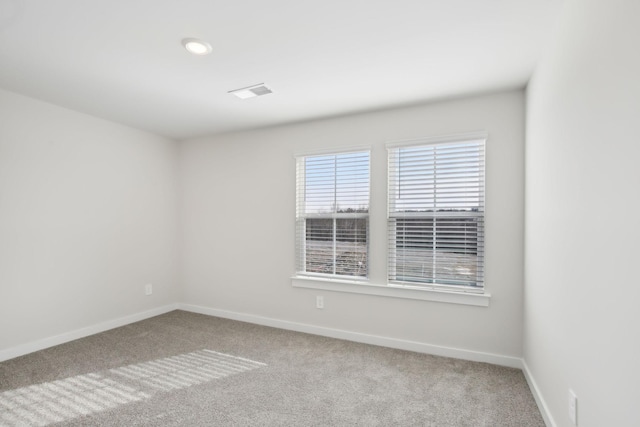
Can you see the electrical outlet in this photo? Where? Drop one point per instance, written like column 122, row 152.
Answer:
column 573, row 407
column 148, row 289
column 319, row 302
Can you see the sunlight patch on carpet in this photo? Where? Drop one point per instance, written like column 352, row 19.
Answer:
column 61, row 400
column 186, row 369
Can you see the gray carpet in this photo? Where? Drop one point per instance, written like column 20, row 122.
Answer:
column 185, row 369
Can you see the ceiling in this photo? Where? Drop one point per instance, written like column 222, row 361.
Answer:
column 123, row 60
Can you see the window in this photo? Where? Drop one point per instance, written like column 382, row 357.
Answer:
column 435, row 222
column 436, row 213
column 332, row 215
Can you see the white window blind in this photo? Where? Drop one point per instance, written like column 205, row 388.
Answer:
column 332, row 215
column 436, row 213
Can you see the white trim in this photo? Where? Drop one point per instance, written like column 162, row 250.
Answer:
column 456, row 137
column 436, row 350
column 542, row 405
column 476, row 356
column 41, row 344
column 393, row 291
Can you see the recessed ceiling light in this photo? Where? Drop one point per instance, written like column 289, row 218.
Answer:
column 251, row 91
column 197, row 47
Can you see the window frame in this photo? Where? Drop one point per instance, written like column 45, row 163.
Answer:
column 302, row 217
column 377, row 284
column 447, row 143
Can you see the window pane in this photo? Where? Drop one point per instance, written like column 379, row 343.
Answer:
column 352, row 182
column 351, row 246
column 436, row 213
column 336, row 183
column 454, row 260
column 319, row 246
column 347, row 257
column 320, row 184
column 332, row 214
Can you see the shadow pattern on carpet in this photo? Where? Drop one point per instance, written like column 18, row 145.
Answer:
column 186, row 369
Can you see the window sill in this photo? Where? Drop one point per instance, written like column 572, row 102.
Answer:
column 393, row 291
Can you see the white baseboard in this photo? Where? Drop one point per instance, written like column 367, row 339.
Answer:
column 542, row 405
column 23, row 349
column 475, row 356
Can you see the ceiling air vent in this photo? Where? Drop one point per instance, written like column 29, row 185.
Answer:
column 251, row 91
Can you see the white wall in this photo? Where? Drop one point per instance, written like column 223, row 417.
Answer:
column 87, row 217
column 238, row 212
column 582, row 230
